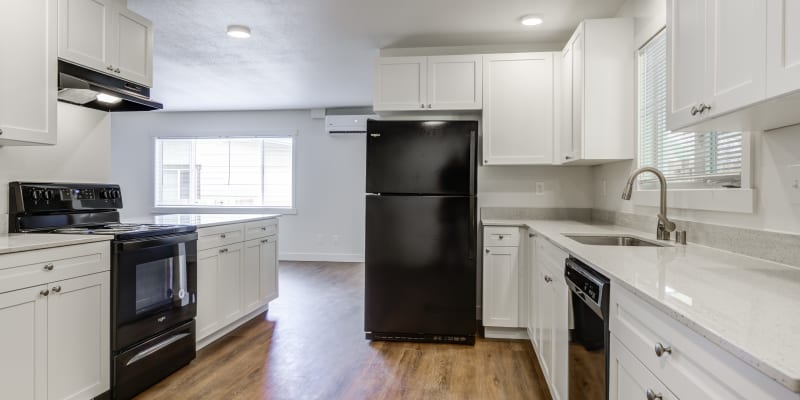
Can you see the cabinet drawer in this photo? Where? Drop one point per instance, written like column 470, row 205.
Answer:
column 259, row 229
column 694, row 367
column 500, row 236
column 629, row 379
column 215, row 236
column 37, row 267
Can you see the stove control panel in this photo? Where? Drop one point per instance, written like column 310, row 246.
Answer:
column 44, row 197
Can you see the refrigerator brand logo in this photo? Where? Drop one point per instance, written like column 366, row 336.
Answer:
column 375, row 134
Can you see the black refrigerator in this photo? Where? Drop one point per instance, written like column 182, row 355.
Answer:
column 421, row 231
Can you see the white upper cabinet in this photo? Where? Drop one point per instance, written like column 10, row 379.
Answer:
column 597, row 122
column 518, row 116
column 105, row 36
column 428, row 83
column 783, row 47
column 716, row 56
column 28, row 78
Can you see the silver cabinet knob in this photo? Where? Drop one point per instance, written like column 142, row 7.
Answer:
column 500, row 237
column 652, row 395
column 223, row 236
column 568, row 157
column 263, row 228
column 265, row 241
column 49, row 267
column 694, row 111
column 56, row 289
column 429, row 106
column 1, row 131
column 422, row 106
column 487, row 251
column 116, row 70
column 660, row 349
column 548, row 279
column 530, row 235
column 485, row 161
column 225, row 250
column 44, row 292
column 110, row 67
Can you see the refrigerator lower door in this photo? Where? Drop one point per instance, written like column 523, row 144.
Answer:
column 420, row 267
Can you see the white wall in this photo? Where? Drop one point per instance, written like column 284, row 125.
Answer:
column 773, row 152
column 82, row 154
column 329, row 187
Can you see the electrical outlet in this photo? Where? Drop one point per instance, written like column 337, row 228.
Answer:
column 540, row 188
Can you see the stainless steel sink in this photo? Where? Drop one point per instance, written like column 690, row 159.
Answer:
column 612, row 240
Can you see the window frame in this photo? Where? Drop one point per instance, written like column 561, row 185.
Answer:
column 205, row 209
column 738, row 200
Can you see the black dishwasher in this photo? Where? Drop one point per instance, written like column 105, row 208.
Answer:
column 588, row 345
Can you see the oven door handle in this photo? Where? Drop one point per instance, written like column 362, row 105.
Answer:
column 157, row 241
column 155, row 348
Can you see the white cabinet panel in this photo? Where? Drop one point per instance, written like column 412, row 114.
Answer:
column 260, row 283
column 207, row 271
column 84, row 30
column 518, row 117
column 23, row 344
column 78, row 313
column 553, row 310
column 454, row 83
column 534, row 325
column 629, row 379
column 500, row 290
column 686, row 46
column 570, row 139
column 134, row 45
column 783, row 47
column 268, row 272
column 28, row 78
column 229, row 283
column 400, row 83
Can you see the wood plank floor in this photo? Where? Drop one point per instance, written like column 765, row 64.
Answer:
column 310, row 345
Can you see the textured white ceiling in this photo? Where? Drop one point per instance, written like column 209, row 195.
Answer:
column 319, row 53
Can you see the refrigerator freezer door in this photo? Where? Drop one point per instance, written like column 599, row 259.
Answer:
column 421, row 157
column 420, row 265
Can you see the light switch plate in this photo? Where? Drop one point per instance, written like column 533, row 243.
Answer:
column 539, row 188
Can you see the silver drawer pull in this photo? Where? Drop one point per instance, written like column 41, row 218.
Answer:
column 548, row 279
column 500, row 237
column 652, row 395
column 223, row 236
column 225, row 250
column 56, row 289
column 660, row 349
column 44, row 292
column 265, row 241
column 263, row 228
column 49, row 267
column 487, row 251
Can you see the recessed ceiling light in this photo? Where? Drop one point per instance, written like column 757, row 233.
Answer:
column 239, row 31
column 531, row 20
column 107, row 98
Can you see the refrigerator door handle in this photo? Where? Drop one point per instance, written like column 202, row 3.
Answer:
column 473, row 221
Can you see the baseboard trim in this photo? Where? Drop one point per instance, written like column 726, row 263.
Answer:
column 334, row 257
column 493, row 332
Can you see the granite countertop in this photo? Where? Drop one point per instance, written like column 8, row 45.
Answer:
column 15, row 242
column 748, row 306
column 200, row 220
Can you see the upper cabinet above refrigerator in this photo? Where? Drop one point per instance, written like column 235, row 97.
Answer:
column 428, row 83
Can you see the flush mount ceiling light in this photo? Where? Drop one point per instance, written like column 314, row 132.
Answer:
column 531, row 20
column 239, row 31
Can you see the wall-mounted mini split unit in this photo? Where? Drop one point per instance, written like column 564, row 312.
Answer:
column 338, row 124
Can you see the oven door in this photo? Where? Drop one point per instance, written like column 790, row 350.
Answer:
column 154, row 286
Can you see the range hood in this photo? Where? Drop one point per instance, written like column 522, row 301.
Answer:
column 87, row 88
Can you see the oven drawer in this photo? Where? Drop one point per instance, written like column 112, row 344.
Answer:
column 37, row 267
column 500, row 236
column 216, row 236
column 260, row 229
column 694, row 367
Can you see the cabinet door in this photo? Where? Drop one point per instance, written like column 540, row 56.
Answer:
column 500, row 289
column 686, row 58
column 28, row 78
column 133, row 42
column 560, row 368
column 783, row 47
column 629, row 379
column 251, row 275
column 23, row 344
column 229, row 283
column 268, row 274
column 84, row 27
column 455, row 83
column 518, row 109
column 736, row 32
column 207, row 272
column 566, row 145
column 78, row 320
column 546, row 298
column 400, row 83
column 577, row 97
column 533, row 296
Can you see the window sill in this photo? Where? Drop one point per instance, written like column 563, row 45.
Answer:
column 723, row 200
column 223, row 210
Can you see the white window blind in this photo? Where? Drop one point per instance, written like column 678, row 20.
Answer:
column 225, row 172
column 687, row 159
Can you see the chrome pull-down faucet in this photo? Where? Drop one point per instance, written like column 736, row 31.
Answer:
column 665, row 226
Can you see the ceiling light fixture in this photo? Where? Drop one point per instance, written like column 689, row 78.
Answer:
column 239, row 31
column 531, row 20
column 107, row 98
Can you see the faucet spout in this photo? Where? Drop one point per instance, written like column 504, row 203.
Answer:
column 665, row 226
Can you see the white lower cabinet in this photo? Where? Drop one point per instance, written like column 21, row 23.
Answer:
column 628, row 379
column 237, row 277
column 500, row 295
column 552, row 297
column 54, row 339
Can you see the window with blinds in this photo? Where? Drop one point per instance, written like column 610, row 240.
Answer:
column 225, row 172
column 689, row 160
